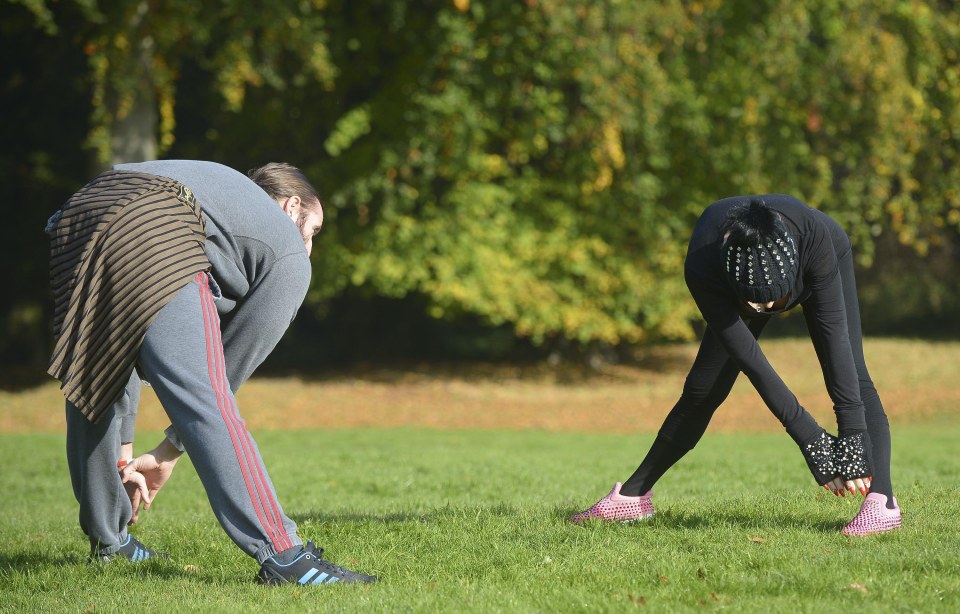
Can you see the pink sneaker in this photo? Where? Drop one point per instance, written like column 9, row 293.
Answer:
column 617, row 507
column 874, row 517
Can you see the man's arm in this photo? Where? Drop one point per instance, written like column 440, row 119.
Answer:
column 254, row 328
column 149, row 472
column 251, row 331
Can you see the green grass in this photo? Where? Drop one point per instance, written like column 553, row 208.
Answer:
column 474, row 521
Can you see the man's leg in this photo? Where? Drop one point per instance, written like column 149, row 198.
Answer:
column 182, row 358
column 92, row 454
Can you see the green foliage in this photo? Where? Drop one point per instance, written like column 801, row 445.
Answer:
column 135, row 49
column 552, row 157
column 539, row 164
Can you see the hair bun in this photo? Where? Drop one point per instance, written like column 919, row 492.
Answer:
column 755, row 221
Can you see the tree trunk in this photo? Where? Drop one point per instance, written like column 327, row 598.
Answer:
column 133, row 134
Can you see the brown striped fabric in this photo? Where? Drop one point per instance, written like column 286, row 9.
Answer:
column 122, row 247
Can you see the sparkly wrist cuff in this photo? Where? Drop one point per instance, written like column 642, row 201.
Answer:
column 851, row 455
column 819, row 455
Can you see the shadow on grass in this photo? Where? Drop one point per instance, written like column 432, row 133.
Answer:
column 154, row 568
column 397, row 518
column 654, row 359
column 438, row 515
column 459, row 515
column 719, row 518
column 671, row 520
column 18, row 378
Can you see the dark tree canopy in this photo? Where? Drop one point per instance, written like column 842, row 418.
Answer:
column 531, row 166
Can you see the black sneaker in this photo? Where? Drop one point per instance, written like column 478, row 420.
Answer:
column 131, row 550
column 308, row 567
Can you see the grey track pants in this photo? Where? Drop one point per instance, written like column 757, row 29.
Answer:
column 182, row 357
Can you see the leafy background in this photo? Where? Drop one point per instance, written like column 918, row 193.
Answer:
column 502, row 178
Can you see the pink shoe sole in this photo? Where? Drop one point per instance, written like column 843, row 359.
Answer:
column 617, row 508
column 874, row 517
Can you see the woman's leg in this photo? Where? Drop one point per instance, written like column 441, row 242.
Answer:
column 877, row 425
column 707, row 385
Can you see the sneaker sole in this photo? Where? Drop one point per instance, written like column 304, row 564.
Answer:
column 617, row 520
column 865, row 533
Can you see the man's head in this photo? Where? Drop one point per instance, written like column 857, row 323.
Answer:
column 298, row 199
column 759, row 255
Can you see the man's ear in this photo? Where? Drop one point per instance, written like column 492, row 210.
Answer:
column 291, row 206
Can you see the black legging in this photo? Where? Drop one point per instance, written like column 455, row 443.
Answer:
column 712, row 377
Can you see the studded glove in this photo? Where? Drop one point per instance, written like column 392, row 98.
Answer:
column 851, row 455
column 819, row 455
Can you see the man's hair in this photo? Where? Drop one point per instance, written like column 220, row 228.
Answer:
column 281, row 180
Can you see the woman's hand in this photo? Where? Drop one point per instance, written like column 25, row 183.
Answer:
column 851, row 457
column 840, row 488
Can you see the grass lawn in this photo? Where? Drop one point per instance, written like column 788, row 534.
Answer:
column 474, row 519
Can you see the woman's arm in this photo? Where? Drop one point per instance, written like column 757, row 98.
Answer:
column 734, row 335
column 826, row 317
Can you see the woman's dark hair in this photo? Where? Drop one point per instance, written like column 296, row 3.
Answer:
column 759, row 256
column 752, row 223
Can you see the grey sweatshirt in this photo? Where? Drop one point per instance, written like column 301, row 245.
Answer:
column 257, row 257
